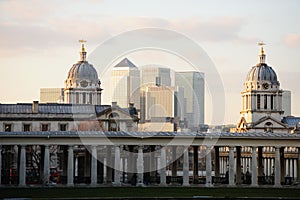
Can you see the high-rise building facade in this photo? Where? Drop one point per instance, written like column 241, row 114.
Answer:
column 193, row 103
column 125, row 84
column 52, row 95
column 151, row 75
column 286, row 102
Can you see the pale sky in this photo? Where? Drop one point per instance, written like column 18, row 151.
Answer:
column 39, row 40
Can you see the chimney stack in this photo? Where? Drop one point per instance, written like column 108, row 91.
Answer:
column 35, row 106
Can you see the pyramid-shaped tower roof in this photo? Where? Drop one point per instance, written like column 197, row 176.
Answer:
column 125, row 63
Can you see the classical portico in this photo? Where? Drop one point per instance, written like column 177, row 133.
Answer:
column 234, row 159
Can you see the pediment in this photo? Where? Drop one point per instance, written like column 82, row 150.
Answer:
column 269, row 122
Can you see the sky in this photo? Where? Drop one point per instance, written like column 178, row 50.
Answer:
column 39, row 41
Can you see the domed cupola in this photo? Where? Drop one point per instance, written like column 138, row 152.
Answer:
column 82, row 73
column 261, row 76
column 83, row 85
column 261, row 98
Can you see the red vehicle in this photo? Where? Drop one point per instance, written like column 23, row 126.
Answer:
column 54, row 177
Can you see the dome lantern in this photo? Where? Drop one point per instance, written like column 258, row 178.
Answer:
column 83, row 52
column 261, row 72
column 262, row 56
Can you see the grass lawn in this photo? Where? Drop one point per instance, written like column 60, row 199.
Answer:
column 79, row 192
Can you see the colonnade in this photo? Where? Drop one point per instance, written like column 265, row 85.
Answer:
column 229, row 160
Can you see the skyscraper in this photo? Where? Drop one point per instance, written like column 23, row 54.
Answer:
column 52, row 95
column 286, row 102
column 126, row 84
column 152, row 75
column 193, row 104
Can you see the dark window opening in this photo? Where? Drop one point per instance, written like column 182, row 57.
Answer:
column 83, row 98
column 113, row 125
column 265, row 102
column 26, row 127
column 258, row 101
column 272, row 102
column 77, row 98
column 7, row 127
column 269, row 127
column 45, row 127
column 63, row 127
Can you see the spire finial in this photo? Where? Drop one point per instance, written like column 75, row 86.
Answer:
column 82, row 41
column 82, row 53
column 262, row 56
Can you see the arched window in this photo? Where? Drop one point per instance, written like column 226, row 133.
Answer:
column 113, row 124
column 269, row 127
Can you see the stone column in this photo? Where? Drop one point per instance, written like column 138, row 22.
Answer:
column 277, row 169
column 174, row 165
column 22, row 172
column 108, row 164
column 46, row 165
column 70, row 181
column 140, row 166
column 196, row 165
column 254, row 167
column 208, row 167
column 94, row 174
column 238, row 166
column 117, row 166
column 186, row 167
column 217, row 162
column 231, row 166
column 163, row 165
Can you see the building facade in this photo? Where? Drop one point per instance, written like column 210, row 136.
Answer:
column 193, row 84
column 262, row 108
column 52, row 95
column 125, row 84
column 151, row 75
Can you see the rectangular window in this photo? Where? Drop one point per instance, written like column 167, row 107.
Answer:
column 83, row 98
column 266, row 102
column 45, row 127
column 7, row 127
column 258, row 101
column 63, row 127
column 77, row 98
column 26, row 127
column 91, row 98
column 272, row 102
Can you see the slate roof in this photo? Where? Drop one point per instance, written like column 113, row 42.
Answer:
column 291, row 121
column 148, row 134
column 52, row 108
